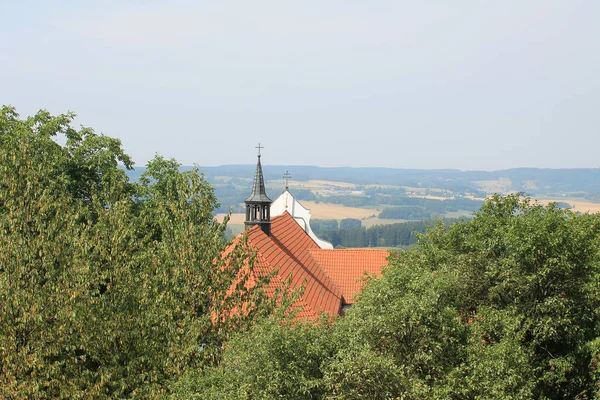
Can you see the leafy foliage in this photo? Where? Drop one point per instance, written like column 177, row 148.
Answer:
column 107, row 288
column 274, row 360
column 503, row 306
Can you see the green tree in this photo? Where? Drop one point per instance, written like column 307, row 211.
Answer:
column 349, row 223
column 504, row 304
column 362, row 373
column 276, row 359
column 107, row 289
column 321, row 225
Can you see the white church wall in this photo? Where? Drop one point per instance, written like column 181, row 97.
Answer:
column 287, row 202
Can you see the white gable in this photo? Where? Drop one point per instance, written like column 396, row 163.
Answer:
column 301, row 214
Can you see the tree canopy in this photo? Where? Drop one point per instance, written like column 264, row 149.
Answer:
column 107, row 288
column 503, row 306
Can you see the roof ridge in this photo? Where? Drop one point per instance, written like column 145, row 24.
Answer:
column 304, row 267
column 296, row 222
column 321, row 291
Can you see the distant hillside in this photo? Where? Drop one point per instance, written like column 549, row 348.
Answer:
column 534, row 181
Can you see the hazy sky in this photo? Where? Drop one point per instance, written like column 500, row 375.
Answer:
column 404, row 84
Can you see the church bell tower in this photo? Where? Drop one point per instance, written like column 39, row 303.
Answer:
column 258, row 204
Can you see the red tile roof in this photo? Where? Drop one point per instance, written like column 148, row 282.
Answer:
column 330, row 278
column 287, row 250
column 347, row 267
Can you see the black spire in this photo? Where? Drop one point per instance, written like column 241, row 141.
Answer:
column 258, row 188
column 258, row 204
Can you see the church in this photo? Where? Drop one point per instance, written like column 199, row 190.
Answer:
column 279, row 233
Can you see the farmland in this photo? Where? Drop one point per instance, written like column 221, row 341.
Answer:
column 337, row 211
column 364, row 193
column 577, row 204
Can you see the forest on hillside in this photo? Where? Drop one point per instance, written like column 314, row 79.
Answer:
column 349, row 232
column 532, row 181
column 387, row 188
column 113, row 288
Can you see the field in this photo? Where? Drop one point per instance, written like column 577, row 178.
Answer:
column 235, row 218
column 235, row 224
column 332, row 211
column 337, row 211
column 318, row 210
column 579, row 205
column 322, row 184
column 369, row 216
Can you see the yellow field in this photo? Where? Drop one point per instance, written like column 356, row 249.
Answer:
column 336, row 211
column 432, row 197
column 320, row 211
column 377, row 185
column 318, row 183
column 369, row 215
column 475, row 198
column 235, row 218
column 578, row 205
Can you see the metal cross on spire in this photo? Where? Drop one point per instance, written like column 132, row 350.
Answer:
column 259, row 147
column 286, row 176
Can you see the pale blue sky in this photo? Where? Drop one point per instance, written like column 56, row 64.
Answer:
column 404, row 84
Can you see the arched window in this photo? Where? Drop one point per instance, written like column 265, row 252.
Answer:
column 256, row 212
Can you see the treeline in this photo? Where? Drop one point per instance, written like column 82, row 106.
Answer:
column 351, row 234
column 405, row 212
column 572, row 180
